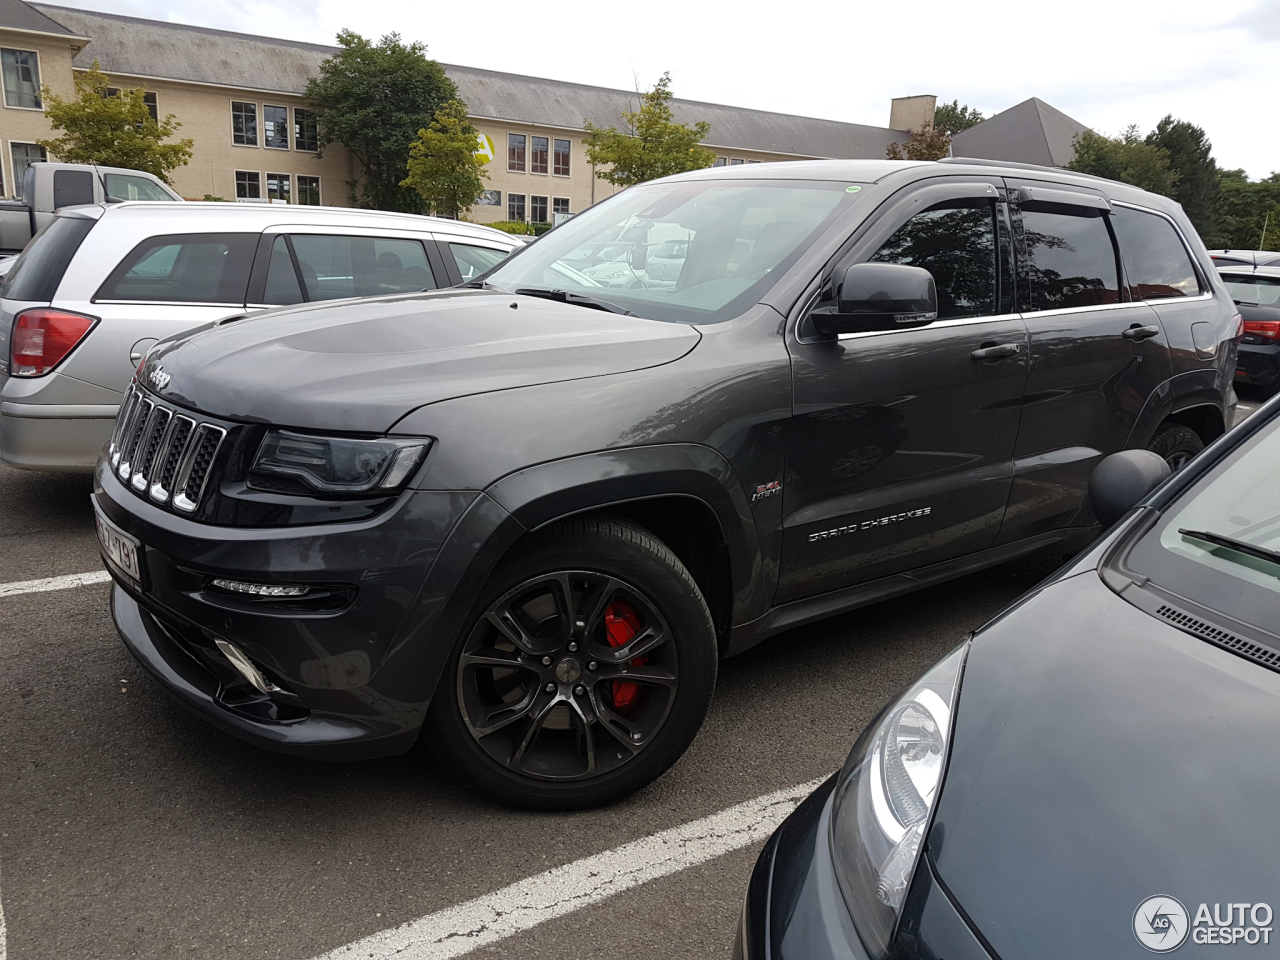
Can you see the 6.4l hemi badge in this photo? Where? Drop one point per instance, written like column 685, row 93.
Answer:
column 772, row 488
column 868, row 524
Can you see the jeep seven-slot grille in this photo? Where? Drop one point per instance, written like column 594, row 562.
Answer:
column 162, row 454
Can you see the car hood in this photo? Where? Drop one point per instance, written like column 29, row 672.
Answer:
column 362, row 365
column 1103, row 757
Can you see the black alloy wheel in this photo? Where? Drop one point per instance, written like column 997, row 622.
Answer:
column 1177, row 443
column 585, row 673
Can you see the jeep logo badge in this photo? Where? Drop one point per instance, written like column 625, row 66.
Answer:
column 159, row 379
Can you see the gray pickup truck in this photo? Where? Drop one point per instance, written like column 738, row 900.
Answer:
column 47, row 187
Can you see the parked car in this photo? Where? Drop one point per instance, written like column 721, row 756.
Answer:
column 1248, row 258
column 1099, row 752
column 528, row 517
column 1256, row 291
column 48, row 187
column 102, row 283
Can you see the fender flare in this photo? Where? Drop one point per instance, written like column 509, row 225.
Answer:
column 1185, row 391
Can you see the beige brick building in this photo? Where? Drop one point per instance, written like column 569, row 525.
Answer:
column 239, row 97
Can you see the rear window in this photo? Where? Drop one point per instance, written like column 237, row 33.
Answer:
column 334, row 267
column 39, row 270
column 185, row 268
column 1254, row 291
column 1154, row 257
column 1070, row 259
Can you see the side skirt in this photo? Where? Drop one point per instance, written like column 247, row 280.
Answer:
column 797, row 613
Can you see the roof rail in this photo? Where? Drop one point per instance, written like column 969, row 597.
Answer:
column 1023, row 166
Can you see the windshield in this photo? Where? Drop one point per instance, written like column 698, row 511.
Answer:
column 687, row 251
column 1255, row 291
column 1219, row 544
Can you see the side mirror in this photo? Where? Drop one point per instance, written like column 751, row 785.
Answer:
column 881, row 296
column 1121, row 481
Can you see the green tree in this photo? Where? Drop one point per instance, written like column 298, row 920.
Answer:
column 1248, row 213
column 373, row 99
column 953, row 117
column 443, row 166
column 921, row 145
column 652, row 145
column 114, row 131
column 1127, row 158
column 1199, row 180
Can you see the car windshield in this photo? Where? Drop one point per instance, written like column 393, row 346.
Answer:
column 1219, row 544
column 730, row 240
column 1255, row 291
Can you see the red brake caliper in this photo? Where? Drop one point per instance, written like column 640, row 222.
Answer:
column 621, row 624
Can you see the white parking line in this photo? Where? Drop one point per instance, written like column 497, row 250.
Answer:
column 523, row 905
column 53, row 583
column 3, row 938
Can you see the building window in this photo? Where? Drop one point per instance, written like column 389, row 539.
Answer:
column 21, row 69
column 148, row 97
column 538, row 155
column 561, row 168
column 735, row 161
column 244, row 123
column 719, row 162
column 309, row 190
column 560, row 205
column 306, row 135
column 24, row 155
column 538, row 209
column 278, row 187
column 515, row 152
column 275, row 127
column 515, row 206
column 248, row 185
column 753, row 161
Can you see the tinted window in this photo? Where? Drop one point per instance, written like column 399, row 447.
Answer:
column 957, row 244
column 473, row 261
column 282, row 279
column 71, row 187
column 1255, row 291
column 192, row 268
column 337, row 267
column 1070, row 259
column 39, row 270
column 121, row 186
column 1154, row 257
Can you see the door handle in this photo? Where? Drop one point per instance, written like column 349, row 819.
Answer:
column 996, row 351
column 1139, row 332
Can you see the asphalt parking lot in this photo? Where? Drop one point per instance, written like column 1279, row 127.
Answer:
column 128, row 828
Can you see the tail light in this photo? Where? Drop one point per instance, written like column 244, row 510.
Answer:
column 1267, row 329
column 42, row 338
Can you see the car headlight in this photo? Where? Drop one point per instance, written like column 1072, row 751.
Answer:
column 302, row 463
column 885, row 799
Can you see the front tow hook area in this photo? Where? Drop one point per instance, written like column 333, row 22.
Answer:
column 268, row 701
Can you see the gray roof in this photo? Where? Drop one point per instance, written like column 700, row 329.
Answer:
column 153, row 48
column 17, row 15
column 1030, row 132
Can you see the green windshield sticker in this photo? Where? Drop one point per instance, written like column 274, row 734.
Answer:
column 852, row 189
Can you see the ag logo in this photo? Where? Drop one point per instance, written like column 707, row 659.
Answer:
column 1160, row 924
column 484, row 148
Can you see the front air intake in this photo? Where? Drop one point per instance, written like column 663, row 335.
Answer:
column 1266, row 656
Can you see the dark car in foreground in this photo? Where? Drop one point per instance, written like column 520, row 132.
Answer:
column 529, row 516
column 1256, row 291
column 1091, row 774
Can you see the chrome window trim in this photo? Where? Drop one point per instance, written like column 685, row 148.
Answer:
column 1066, row 311
column 956, row 322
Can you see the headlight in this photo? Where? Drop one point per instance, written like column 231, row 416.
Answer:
column 302, row 463
column 885, row 797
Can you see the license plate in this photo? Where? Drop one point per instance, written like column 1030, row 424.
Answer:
column 120, row 549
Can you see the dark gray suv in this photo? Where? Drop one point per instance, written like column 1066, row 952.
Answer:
column 528, row 516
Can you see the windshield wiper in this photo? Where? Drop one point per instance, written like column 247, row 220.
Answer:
column 1231, row 543
column 579, row 299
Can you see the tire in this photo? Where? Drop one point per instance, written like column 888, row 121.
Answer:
column 531, row 708
column 1177, row 443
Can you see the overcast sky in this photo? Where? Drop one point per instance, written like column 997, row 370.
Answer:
column 1108, row 63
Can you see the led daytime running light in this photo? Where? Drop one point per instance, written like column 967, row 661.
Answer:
column 262, row 589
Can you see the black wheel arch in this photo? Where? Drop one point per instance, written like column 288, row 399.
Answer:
column 1192, row 399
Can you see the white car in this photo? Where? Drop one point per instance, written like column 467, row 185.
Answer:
column 102, row 283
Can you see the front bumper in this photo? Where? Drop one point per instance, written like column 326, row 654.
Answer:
column 1258, row 364
column 357, row 672
column 794, row 909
